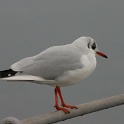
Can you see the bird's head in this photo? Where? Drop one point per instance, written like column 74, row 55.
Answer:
column 89, row 44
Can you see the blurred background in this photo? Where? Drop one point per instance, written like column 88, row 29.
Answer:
column 27, row 27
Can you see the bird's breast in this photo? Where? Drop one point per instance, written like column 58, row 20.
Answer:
column 89, row 65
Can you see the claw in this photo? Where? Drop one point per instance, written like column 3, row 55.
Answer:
column 66, row 111
column 69, row 106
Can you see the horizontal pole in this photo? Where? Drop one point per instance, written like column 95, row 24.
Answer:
column 83, row 109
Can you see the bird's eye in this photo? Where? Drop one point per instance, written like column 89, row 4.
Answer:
column 94, row 46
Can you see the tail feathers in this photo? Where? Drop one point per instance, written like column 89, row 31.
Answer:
column 7, row 73
column 11, row 75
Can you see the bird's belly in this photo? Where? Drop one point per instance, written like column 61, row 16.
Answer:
column 74, row 76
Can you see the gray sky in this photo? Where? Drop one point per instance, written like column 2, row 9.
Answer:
column 27, row 27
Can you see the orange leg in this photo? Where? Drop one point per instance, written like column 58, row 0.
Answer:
column 58, row 92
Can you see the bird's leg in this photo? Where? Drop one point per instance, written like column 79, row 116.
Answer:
column 62, row 100
column 56, row 102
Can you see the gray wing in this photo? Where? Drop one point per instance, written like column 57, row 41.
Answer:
column 51, row 63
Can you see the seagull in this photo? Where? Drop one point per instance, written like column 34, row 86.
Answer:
column 57, row 66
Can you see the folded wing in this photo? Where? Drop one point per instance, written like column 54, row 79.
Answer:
column 51, row 63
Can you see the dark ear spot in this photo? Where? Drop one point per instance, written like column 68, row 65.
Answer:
column 88, row 45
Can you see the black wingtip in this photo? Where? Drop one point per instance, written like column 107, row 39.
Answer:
column 7, row 73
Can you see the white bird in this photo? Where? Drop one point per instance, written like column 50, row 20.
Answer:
column 57, row 66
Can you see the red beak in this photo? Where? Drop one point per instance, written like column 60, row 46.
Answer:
column 101, row 54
